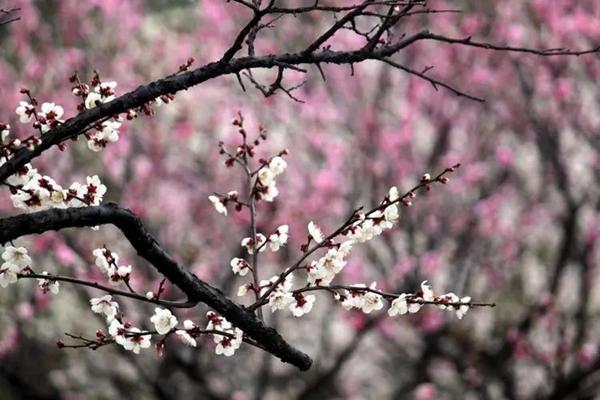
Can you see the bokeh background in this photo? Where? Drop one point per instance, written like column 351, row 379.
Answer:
column 518, row 224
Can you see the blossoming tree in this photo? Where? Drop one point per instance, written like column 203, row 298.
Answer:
column 379, row 31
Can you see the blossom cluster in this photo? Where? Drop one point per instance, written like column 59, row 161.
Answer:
column 106, row 261
column 101, row 92
column 48, row 118
column 34, row 192
column 230, row 340
column 15, row 260
column 266, row 188
column 275, row 241
column 50, row 114
column 227, row 338
column 220, row 202
column 103, row 133
column 278, row 292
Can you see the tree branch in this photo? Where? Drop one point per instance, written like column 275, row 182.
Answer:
column 148, row 248
column 75, row 126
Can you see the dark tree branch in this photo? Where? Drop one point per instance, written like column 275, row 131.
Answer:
column 8, row 16
column 148, row 248
column 74, row 127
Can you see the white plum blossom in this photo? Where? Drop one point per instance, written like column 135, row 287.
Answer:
column 427, row 291
column 326, row 268
column 279, row 299
column 186, row 338
column 107, row 131
column 95, row 190
column 8, row 274
column 285, row 285
column 25, row 111
column 243, row 289
column 227, row 345
column 464, row 308
column 103, row 93
column 345, row 248
column 315, row 232
column 48, row 285
column 239, row 266
column 105, row 259
column 163, row 320
column 426, row 294
column 448, row 298
column 353, row 298
column 4, row 132
column 17, row 256
column 302, row 304
column 371, row 301
column 270, row 192
column 279, row 238
column 91, row 99
column 218, row 204
column 118, row 274
column 277, row 165
column 215, row 321
column 393, row 194
column 265, row 176
column 136, row 342
column 249, row 244
column 117, row 331
column 281, row 296
column 106, row 90
column 40, row 192
column 452, row 298
column 104, row 305
column 22, row 176
column 366, row 230
column 51, row 111
column 398, row 306
column 391, row 215
column 414, row 307
column 188, row 325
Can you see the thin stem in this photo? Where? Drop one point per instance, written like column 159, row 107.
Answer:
column 412, row 298
column 252, row 209
column 107, row 289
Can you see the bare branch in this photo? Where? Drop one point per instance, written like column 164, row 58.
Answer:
column 434, row 82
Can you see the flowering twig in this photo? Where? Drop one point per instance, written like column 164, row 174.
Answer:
column 404, row 199
column 148, row 248
column 110, row 290
column 391, row 296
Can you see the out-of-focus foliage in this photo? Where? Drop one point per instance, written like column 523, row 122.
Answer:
column 518, row 224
